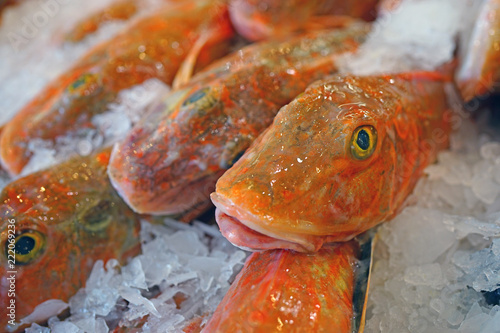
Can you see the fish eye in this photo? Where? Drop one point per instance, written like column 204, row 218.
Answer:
column 363, row 142
column 201, row 98
column 98, row 216
column 28, row 246
column 83, row 82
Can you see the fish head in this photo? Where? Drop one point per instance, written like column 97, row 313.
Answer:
column 324, row 171
column 164, row 166
column 61, row 111
column 55, row 224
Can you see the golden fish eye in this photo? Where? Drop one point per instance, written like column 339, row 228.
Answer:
column 201, row 98
column 98, row 216
column 363, row 142
column 28, row 246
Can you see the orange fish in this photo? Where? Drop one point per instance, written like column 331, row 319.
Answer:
column 263, row 19
column 338, row 160
column 286, row 291
column 54, row 224
column 153, row 47
column 479, row 71
column 172, row 158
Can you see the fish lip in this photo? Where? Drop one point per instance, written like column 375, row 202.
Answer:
column 244, row 231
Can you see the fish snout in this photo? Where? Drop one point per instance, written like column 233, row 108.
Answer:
column 251, row 233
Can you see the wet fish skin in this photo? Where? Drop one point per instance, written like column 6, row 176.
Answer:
column 172, row 158
column 287, row 291
column 153, row 47
column 69, row 216
column 263, row 19
column 300, row 184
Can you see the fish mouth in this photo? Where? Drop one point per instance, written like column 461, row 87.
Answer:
column 246, row 231
column 180, row 197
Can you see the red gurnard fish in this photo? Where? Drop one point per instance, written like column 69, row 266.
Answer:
column 54, row 224
column 172, row 158
column 338, row 160
column 287, row 291
column 262, row 19
column 153, row 47
column 479, row 71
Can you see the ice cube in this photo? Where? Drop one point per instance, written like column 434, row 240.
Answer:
column 35, row 328
column 412, row 238
column 492, row 324
column 483, row 185
column 425, row 275
column 474, row 320
column 133, row 274
column 65, row 327
column 134, row 296
column 187, row 242
column 45, row 310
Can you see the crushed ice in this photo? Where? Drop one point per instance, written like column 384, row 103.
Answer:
column 437, row 261
column 183, row 272
column 416, row 35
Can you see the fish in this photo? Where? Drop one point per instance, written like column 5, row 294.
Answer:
column 263, row 19
column 172, row 158
column 478, row 74
column 338, row 160
column 153, row 47
column 287, row 291
column 54, row 224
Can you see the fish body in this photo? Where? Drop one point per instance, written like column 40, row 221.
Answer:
column 153, row 47
column 338, row 160
column 172, row 158
column 479, row 70
column 286, row 291
column 54, row 225
column 263, row 19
